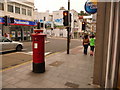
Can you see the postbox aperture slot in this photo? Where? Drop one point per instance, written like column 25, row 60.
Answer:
column 35, row 39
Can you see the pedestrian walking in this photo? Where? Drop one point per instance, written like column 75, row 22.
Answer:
column 8, row 36
column 5, row 35
column 85, row 44
column 92, row 45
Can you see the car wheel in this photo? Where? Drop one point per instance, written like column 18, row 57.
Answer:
column 19, row 48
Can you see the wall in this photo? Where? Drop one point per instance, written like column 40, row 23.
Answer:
column 101, row 43
column 107, row 54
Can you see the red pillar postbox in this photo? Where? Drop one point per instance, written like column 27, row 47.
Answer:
column 38, row 51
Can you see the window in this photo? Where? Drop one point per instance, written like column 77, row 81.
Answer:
column 10, row 8
column 17, row 10
column 29, row 13
column 1, row 6
column 23, row 11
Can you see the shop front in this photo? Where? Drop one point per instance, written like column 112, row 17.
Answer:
column 20, row 30
column 21, row 33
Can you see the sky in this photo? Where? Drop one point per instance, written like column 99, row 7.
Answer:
column 54, row 5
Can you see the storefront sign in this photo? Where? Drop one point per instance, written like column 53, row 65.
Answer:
column 48, row 22
column 91, row 6
column 19, row 22
column 1, row 20
column 58, row 21
column 23, row 22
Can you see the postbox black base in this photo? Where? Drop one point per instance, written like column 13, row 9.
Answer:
column 39, row 67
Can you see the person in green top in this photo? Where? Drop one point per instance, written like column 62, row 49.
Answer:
column 92, row 45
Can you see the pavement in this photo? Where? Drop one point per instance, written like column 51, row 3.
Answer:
column 62, row 71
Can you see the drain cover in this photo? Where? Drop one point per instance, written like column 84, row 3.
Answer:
column 72, row 85
column 56, row 63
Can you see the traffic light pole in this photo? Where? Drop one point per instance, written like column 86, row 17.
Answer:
column 68, row 28
column 68, row 40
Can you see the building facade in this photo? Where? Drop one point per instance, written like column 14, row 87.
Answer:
column 56, row 20
column 107, row 55
column 23, row 15
column 76, row 24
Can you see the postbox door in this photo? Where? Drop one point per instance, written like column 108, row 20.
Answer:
column 38, row 50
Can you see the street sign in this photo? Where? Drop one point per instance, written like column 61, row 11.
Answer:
column 91, row 6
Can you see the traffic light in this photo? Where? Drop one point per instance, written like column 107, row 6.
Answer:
column 41, row 25
column 5, row 20
column 11, row 20
column 83, row 25
column 38, row 25
column 65, row 18
column 46, row 26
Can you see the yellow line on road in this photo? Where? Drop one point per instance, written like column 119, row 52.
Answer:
column 52, row 54
column 25, row 63
column 15, row 66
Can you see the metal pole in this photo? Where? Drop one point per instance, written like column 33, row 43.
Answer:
column 68, row 29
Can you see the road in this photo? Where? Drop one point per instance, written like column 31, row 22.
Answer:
column 55, row 45
column 58, row 45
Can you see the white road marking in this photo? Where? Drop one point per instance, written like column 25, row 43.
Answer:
column 31, row 53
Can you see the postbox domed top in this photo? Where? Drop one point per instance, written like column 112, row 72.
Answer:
column 38, row 34
column 38, row 31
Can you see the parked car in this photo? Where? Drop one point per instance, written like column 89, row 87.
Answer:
column 8, row 45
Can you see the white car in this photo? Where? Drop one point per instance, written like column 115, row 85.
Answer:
column 8, row 45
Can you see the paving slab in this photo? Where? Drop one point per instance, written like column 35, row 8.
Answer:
column 62, row 71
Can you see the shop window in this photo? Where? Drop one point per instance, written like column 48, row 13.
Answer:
column 17, row 10
column 1, row 6
column 23, row 11
column 10, row 8
column 29, row 13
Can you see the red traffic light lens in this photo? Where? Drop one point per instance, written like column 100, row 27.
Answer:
column 65, row 14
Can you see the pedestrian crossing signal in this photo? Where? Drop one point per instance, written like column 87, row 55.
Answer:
column 5, row 20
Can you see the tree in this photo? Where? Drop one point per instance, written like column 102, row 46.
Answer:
column 62, row 8
column 82, row 13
